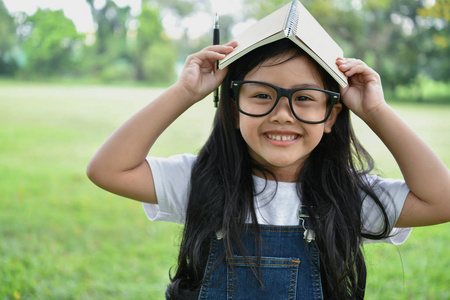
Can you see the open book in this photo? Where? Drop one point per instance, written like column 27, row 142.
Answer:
column 292, row 21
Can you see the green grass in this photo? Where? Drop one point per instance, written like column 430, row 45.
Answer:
column 418, row 269
column 63, row 238
column 424, row 90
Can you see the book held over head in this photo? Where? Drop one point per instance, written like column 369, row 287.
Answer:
column 295, row 22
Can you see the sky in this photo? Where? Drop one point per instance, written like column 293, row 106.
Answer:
column 79, row 12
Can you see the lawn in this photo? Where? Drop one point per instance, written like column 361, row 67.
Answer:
column 61, row 237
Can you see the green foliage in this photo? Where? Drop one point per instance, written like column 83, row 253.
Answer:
column 49, row 48
column 117, row 71
column 438, row 17
column 402, row 40
column 150, row 27
column 154, row 57
column 424, row 89
column 8, row 49
column 128, row 48
column 156, row 60
column 111, row 29
column 109, row 57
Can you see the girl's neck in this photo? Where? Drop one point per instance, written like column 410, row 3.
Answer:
column 279, row 175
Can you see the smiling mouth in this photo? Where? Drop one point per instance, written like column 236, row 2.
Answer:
column 282, row 137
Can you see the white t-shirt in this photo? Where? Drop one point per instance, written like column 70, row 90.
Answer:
column 172, row 175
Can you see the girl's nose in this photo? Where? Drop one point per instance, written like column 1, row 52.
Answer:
column 282, row 112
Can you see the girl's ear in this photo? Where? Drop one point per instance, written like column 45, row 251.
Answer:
column 328, row 125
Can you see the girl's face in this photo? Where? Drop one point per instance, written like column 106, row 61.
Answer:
column 278, row 141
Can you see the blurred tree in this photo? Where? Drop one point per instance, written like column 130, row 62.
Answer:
column 154, row 55
column 8, row 45
column 130, row 47
column 50, row 43
column 396, row 43
column 184, row 9
column 259, row 9
column 109, row 56
column 412, row 54
column 181, row 8
column 226, row 22
column 390, row 35
column 149, row 33
column 111, row 26
column 437, row 18
column 159, row 62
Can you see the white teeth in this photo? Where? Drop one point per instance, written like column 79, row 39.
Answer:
column 282, row 137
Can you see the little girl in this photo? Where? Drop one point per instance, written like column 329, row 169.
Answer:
column 279, row 201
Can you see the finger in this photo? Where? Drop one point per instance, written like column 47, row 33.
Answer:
column 351, row 66
column 211, row 55
column 347, row 64
column 232, row 44
column 205, row 56
column 225, row 49
column 220, row 74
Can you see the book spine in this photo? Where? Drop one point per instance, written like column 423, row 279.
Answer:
column 290, row 24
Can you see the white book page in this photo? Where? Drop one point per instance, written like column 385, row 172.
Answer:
column 266, row 30
column 312, row 34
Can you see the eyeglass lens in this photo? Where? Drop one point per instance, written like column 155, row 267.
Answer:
column 308, row 104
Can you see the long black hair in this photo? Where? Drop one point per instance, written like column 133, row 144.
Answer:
column 330, row 183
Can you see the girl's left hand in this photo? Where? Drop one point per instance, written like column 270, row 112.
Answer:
column 364, row 94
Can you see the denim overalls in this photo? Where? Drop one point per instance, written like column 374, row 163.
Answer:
column 289, row 267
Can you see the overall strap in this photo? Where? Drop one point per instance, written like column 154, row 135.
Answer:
column 303, row 216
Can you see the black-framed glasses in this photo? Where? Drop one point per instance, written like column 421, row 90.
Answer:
column 309, row 105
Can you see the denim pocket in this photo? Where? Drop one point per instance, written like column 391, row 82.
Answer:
column 278, row 278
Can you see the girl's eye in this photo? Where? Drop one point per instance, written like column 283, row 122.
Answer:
column 263, row 96
column 304, row 98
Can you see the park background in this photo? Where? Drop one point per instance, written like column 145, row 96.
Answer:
column 63, row 90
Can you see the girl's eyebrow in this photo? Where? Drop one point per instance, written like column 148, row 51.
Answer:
column 298, row 86
column 306, row 86
column 302, row 86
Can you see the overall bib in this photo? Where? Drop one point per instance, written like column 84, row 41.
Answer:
column 289, row 267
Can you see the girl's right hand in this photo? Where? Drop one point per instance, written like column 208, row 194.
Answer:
column 198, row 77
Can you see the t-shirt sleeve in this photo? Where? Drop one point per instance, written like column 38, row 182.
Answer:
column 171, row 177
column 392, row 194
